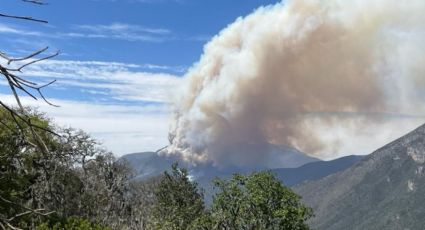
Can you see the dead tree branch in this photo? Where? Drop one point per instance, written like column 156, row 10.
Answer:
column 28, row 211
column 37, row 2
column 28, row 18
column 23, row 18
column 19, row 83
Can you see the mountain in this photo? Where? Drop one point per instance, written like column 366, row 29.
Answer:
column 148, row 164
column 385, row 190
column 315, row 170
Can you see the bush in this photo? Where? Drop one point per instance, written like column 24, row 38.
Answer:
column 257, row 201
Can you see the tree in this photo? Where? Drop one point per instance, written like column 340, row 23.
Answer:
column 106, row 191
column 19, row 161
column 257, row 201
column 178, row 201
column 76, row 178
column 142, row 197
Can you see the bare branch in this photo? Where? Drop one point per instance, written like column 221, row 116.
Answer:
column 23, row 18
column 24, row 85
column 28, row 18
column 28, row 211
column 37, row 2
column 35, row 211
column 19, row 69
column 10, row 60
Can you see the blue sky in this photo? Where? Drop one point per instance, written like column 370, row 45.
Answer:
column 164, row 32
column 120, row 60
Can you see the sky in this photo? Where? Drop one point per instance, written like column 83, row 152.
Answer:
column 120, row 60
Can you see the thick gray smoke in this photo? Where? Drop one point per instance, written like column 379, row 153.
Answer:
column 304, row 73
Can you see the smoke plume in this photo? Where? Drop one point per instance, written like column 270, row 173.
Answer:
column 303, row 73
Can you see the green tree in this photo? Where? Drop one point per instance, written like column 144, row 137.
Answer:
column 178, row 201
column 257, row 201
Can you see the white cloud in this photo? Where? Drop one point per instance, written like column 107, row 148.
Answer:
column 12, row 30
column 122, row 129
column 121, row 31
column 119, row 81
column 115, row 31
column 122, row 28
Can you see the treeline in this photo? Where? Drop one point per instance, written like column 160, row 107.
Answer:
column 79, row 185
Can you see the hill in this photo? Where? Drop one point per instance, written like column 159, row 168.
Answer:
column 315, row 170
column 385, row 190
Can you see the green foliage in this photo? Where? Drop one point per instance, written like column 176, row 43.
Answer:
column 258, row 201
column 72, row 223
column 178, row 201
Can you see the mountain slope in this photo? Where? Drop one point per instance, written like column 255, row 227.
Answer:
column 315, row 170
column 385, row 190
column 289, row 176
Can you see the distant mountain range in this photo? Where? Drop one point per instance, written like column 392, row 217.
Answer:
column 298, row 167
column 315, row 170
column 148, row 164
column 385, row 190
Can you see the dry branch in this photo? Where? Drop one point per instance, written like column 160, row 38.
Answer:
column 23, row 18
column 38, row 2
column 28, row 211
